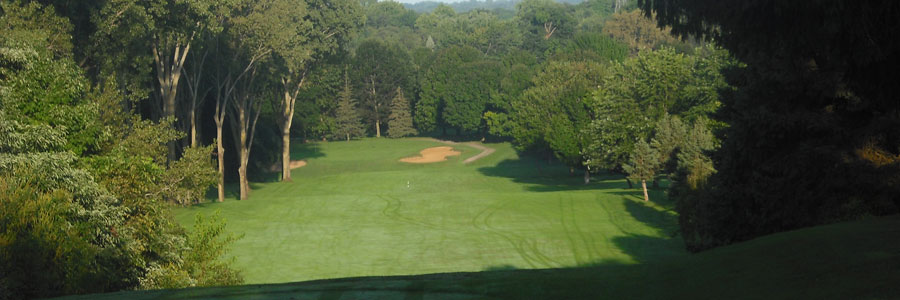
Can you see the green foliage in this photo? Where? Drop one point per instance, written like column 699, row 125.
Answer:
column 638, row 31
column 642, row 163
column 39, row 81
column 592, row 46
column 478, row 29
column 348, row 121
column 378, row 70
column 670, row 137
column 41, row 253
column 552, row 112
column 456, row 91
column 201, row 262
column 389, row 13
column 400, row 121
column 618, row 122
column 805, row 110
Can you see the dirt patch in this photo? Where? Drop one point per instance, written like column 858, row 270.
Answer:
column 431, row 155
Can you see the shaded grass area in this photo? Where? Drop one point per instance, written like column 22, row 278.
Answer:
column 855, row 260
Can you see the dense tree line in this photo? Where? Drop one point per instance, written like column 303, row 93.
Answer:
column 812, row 122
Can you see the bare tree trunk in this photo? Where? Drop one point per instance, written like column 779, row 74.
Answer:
column 646, row 195
column 587, row 176
column 168, row 74
column 242, row 170
column 286, row 155
column 193, row 116
column 285, row 119
column 377, row 125
column 221, row 159
column 193, row 83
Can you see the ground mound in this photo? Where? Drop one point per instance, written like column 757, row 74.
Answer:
column 432, row 155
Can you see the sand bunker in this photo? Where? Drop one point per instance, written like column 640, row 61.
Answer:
column 297, row 163
column 430, row 155
column 294, row 164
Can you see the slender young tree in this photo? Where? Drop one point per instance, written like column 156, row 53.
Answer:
column 642, row 165
column 348, row 121
column 400, row 121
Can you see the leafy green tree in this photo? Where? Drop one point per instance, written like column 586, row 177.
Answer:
column 545, row 18
column 553, row 114
column 481, row 30
column 669, row 136
column 349, row 123
column 306, row 31
column 39, row 81
column 456, row 91
column 642, row 165
column 637, row 31
column 692, row 158
column 618, row 122
column 379, row 69
column 545, row 22
column 400, row 121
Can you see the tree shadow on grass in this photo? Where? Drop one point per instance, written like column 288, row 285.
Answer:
column 539, row 176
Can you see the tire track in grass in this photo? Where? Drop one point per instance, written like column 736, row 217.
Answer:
column 392, row 211
column 527, row 249
column 480, row 223
column 567, row 231
column 574, row 233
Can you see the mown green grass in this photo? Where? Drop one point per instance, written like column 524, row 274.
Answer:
column 511, row 228
column 855, row 260
column 350, row 212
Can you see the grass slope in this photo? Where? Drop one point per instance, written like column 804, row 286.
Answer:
column 856, row 260
column 350, row 213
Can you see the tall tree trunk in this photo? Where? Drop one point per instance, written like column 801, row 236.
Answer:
column 646, row 195
column 630, row 185
column 168, row 74
column 221, row 159
column 242, row 170
column 193, row 115
column 587, row 176
column 285, row 119
column 377, row 126
column 286, row 155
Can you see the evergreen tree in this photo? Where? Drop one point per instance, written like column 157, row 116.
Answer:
column 400, row 121
column 347, row 119
column 642, row 165
column 668, row 140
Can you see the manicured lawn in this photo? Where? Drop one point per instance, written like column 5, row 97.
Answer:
column 350, row 212
column 503, row 228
